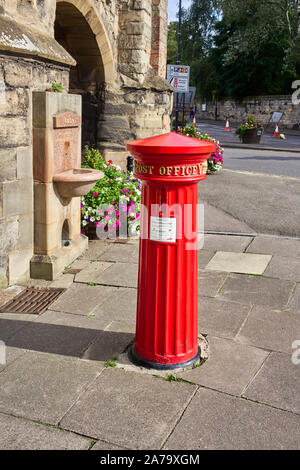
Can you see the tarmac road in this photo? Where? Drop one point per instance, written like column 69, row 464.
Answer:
column 263, row 161
column 257, row 190
column 256, row 202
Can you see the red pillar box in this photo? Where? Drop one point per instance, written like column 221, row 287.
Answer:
column 170, row 166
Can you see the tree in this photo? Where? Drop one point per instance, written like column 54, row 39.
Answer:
column 196, row 40
column 172, row 43
column 254, row 21
column 249, row 74
column 240, row 47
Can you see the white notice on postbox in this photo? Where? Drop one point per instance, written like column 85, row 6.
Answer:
column 163, row 229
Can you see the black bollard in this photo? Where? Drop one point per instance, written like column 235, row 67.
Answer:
column 130, row 164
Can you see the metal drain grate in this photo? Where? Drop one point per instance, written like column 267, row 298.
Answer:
column 34, row 301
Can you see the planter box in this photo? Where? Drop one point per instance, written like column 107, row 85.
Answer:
column 252, row 136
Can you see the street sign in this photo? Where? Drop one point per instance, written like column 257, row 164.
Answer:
column 276, row 117
column 179, row 77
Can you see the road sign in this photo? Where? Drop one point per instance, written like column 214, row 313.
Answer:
column 179, row 77
column 276, row 117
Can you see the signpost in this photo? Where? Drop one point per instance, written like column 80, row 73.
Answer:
column 179, row 77
column 276, row 117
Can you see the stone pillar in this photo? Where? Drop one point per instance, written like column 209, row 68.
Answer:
column 158, row 58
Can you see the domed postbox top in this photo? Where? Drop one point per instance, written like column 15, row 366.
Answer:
column 171, row 157
column 170, row 144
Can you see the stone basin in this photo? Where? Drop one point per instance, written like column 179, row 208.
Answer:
column 76, row 182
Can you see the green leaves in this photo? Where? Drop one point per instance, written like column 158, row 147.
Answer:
column 57, row 87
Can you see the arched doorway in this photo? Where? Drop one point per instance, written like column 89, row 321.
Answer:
column 87, row 78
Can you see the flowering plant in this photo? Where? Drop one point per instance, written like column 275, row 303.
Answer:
column 250, row 124
column 114, row 200
column 215, row 161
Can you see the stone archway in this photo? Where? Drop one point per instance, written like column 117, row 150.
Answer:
column 80, row 31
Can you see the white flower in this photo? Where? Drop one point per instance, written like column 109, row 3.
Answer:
column 92, row 219
column 84, row 222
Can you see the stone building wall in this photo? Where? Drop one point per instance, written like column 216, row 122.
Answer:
column 262, row 107
column 120, row 50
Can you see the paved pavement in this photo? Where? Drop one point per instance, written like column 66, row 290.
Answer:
column 57, row 393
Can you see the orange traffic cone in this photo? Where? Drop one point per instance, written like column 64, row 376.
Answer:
column 194, row 121
column 227, row 128
column 276, row 133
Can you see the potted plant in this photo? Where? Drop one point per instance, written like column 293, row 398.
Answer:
column 250, row 131
column 215, row 161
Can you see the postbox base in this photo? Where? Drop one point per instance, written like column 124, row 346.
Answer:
column 134, row 357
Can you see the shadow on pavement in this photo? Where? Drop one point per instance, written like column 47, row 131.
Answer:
column 88, row 343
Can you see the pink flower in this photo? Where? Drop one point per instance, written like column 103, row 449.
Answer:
column 95, row 194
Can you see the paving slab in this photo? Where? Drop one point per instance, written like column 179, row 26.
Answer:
column 294, row 304
column 21, row 434
column 63, row 282
column 129, row 409
column 101, row 445
column 270, row 329
column 90, row 322
column 91, row 272
column 37, row 283
column 226, row 242
column 204, row 256
column 120, row 274
column 43, row 387
column 121, row 253
column 10, row 323
column 107, row 345
column 258, row 290
column 277, row 384
column 244, row 263
column 81, row 299
column 11, row 354
column 284, row 268
column 54, row 338
column 221, row 318
column 210, row 282
column 78, row 264
column 95, row 249
column 275, row 246
column 121, row 327
column 128, row 241
column 217, row 421
column 120, row 306
column 229, row 368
